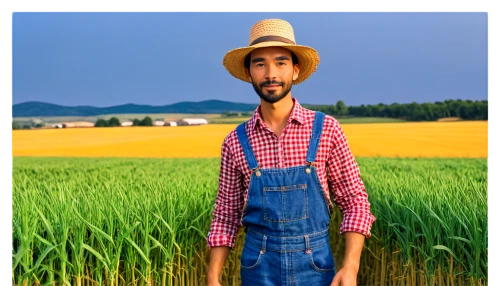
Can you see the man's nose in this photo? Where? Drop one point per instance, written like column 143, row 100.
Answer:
column 271, row 72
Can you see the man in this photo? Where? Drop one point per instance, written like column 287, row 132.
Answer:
column 276, row 172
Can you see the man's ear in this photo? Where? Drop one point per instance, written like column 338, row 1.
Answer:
column 247, row 72
column 296, row 70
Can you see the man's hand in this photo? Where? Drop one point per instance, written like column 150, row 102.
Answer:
column 345, row 277
column 353, row 245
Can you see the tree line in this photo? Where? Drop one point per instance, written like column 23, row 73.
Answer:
column 464, row 109
column 236, row 114
column 114, row 121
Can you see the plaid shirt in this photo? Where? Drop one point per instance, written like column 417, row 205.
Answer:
column 337, row 171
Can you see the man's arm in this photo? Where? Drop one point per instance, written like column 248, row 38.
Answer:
column 350, row 196
column 227, row 213
column 218, row 256
column 353, row 245
column 346, row 186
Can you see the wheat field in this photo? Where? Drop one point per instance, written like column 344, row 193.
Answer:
column 464, row 139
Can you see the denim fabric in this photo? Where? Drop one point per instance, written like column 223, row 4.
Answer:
column 286, row 218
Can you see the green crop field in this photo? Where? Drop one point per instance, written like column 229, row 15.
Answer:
column 86, row 221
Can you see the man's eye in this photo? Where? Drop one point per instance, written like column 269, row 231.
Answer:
column 259, row 65
column 281, row 63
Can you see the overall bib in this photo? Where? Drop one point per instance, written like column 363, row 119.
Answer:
column 286, row 218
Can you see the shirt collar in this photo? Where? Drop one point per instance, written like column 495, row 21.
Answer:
column 297, row 114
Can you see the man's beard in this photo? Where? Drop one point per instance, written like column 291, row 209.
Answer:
column 272, row 97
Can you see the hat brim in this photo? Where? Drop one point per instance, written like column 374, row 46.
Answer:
column 308, row 58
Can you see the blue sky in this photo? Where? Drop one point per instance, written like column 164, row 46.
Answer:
column 105, row 59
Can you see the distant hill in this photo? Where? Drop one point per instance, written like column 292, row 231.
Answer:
column 35, row 108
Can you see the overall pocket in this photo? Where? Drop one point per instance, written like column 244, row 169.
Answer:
column 322, row 259
column 250, row 256
column 285, row 203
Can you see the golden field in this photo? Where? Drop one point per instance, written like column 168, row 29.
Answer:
column 412, row 139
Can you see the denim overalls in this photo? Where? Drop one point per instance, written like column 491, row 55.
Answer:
column 286, row 218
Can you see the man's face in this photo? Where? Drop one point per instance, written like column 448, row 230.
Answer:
column 271, row 73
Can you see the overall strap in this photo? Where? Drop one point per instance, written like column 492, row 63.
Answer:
column 315, row 136
column 245, row 144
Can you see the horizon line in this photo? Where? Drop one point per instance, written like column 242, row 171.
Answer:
column 138, row 104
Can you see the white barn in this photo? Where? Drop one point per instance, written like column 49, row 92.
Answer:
column 194, row 121
column 127, row 123
column 74, row 124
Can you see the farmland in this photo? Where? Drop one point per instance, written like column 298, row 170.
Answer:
column 84, row 219
column 342, row 120
column 211, row 118
column 413, row 139
column 115, row 220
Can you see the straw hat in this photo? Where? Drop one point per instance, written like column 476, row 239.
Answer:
column 269, row 33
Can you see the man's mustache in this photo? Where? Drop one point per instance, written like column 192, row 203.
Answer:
column 269, row 82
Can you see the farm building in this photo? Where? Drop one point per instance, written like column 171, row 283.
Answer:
column 192, row 121
column 73, row 124
column 171, row 123
column 159, row 123
column 127, row 123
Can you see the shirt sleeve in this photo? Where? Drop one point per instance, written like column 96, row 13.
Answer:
column 345, row 182
column 228, row 203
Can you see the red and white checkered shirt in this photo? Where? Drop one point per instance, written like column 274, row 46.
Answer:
column 337, row 170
